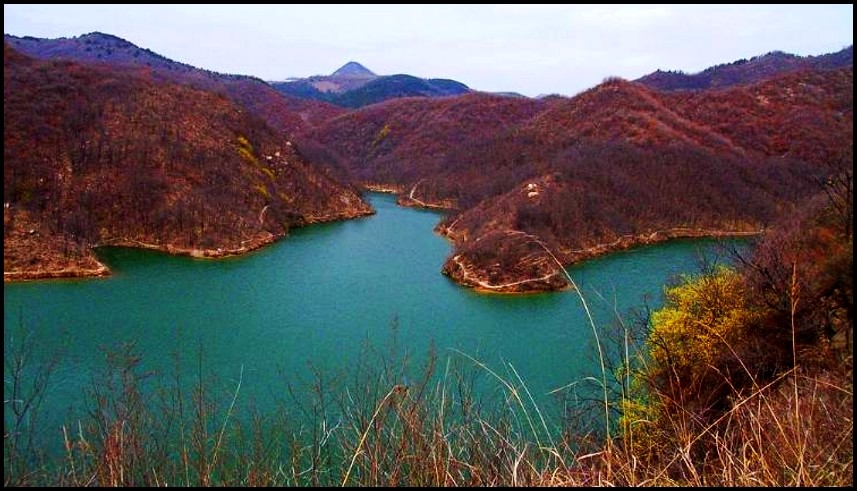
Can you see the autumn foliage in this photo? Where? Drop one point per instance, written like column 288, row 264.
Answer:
column 782, row 317
column 617, row 165
column 756, row 69
column 282, row 112
column 98, row 156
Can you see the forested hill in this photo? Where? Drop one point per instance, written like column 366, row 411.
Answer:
column 739, row 72
column 95, row 155
column 289, row 114
column 354, row 86
column 617, row 165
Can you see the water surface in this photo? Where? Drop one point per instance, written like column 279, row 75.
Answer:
column 314, row 299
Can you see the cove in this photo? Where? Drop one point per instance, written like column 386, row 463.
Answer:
column 312, row 300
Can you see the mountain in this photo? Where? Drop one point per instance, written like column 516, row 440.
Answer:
column 289, row 114
column 354, row 86
column 353, row 69
column 418, row 141
column 615, row 166
column 746, row 71
column 99, row 156
column 154, row 152
column 398, row 86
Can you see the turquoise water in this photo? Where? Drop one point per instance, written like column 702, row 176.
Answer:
column 313, row 299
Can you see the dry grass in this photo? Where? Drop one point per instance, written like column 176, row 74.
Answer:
column 396, row 424
column 436, row 432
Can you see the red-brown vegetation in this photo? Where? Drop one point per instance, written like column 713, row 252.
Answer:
column 756, row 69
column 615, row 166
column 95, row 155
column 282, row 112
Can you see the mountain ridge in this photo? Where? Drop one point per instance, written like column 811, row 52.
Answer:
column 586, row 173
column 591, row 174
column 98, row 156
column 746, row 71
column 289, row 114
column 354, row 86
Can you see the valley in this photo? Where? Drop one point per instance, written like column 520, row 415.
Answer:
column 499, row 245
column 530, row 184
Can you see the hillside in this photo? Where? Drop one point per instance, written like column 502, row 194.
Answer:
column 95, row 156
column 432, row 146
column 355, row 86
column 616, row 166
column 398, row 86
column 807, row 115
column 289, row 114
column 742, row 72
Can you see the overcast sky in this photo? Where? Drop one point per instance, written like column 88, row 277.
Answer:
column 528, row 49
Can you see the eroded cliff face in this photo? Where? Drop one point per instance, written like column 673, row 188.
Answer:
column 97, row 156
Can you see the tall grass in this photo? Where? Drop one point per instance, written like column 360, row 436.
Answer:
column 398, row 424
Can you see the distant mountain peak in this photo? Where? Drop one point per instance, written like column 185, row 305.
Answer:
column 354, row 85
column 353, row 69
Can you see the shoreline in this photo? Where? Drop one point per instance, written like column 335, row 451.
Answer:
column 627, row 242
column 70, row 272
column 472, row 280
column 407, row 200
column 101, row 271
column 382, row 188
column 487, row 291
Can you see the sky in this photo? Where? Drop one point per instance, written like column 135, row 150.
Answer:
column 530, row 49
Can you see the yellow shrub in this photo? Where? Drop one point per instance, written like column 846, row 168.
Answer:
column 700, row 327
column 701, row 319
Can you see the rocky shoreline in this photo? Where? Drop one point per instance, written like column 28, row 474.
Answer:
column 95, row 269
column 376, row 187
column 535, row 272
column 517, row 267
column 531, row 271
column 486, row 281
column 631, row 241
column 70, row 272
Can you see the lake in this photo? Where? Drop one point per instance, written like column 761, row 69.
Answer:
column 313, row 300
